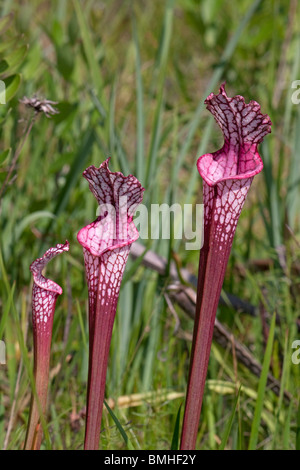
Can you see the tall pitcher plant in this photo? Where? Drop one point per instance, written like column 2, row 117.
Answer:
column 106, row 244
column 44, row 296
column 227, row 176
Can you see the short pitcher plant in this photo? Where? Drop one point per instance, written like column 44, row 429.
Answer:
column 106, row 244
column 227, row 176
column 44, row 296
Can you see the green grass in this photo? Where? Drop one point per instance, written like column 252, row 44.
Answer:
column 130, row 79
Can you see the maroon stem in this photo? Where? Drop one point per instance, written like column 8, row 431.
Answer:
column 103, row 326
column 41, row 374
column 202, row 340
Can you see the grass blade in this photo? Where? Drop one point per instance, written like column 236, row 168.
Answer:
column 176, row 433
column 139, row 110
column 73, row 175
column 120, row 427
column 287, row 429
column 89, row 48
column 262, row 388
column 298, row 429
column 229, row 424
column 161, row 68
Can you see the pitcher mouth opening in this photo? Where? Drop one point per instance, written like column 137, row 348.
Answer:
column 211, row 172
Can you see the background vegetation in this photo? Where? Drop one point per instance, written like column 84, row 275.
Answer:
column 130, row 79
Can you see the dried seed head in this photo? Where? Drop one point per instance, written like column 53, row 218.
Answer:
column 40, row 106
